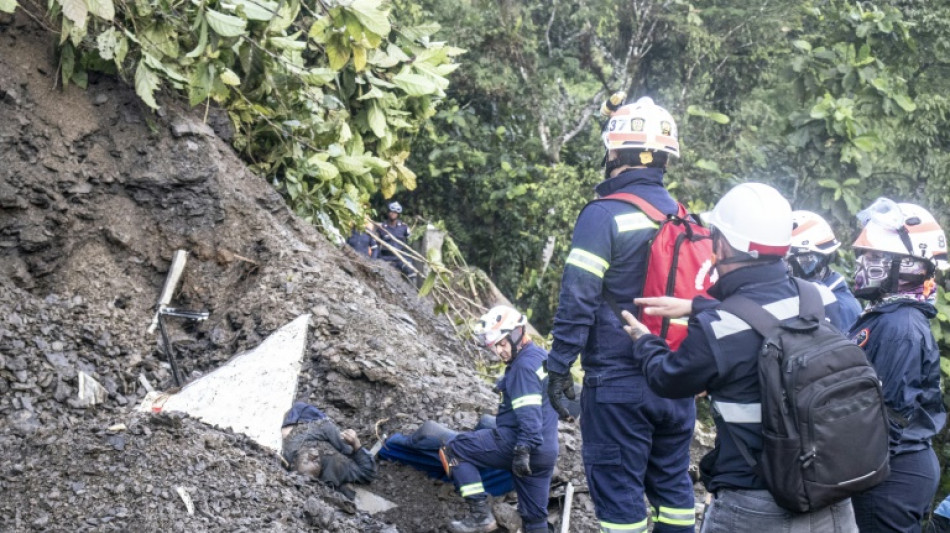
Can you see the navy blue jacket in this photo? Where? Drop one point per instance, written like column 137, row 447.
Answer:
column 897, row 340
column 608, row 260
column 525, row 415
column 848, row 305
column 396, row 236
column 361, row 242
column 720, row 356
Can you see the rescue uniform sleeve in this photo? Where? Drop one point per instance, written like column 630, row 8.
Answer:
column 581, row 286
column 524, row 388
column 680, row 374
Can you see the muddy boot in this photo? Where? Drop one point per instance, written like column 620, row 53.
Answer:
column 479, row 520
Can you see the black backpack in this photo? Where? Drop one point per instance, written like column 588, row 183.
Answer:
column 824, row 423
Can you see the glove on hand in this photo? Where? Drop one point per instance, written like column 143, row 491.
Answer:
column 559, row 384
column 521, row 462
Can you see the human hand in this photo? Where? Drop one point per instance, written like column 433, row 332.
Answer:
column 634, row 327
column 559, row 384
column 521, row 461
column 665, row 306
column 349, row 437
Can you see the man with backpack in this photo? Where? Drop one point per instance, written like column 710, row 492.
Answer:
column 634, row 442
column 768, row 452
column 898, row 252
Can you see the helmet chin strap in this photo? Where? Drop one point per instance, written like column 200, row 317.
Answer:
column 514, row 339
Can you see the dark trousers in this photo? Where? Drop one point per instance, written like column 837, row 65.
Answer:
column 486, row 448
column 900, row 503
column 637, row 443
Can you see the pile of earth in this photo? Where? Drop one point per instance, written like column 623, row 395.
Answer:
column 96, row 195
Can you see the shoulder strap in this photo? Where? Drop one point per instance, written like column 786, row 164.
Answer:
column 752, row 313
column 655, row 214
column 810, row 305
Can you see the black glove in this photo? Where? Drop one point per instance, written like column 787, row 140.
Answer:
column 559, row 384
column 521, row 462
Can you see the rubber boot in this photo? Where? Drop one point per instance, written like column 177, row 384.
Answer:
column 479, row 520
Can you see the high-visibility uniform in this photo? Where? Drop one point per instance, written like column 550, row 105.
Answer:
column 634, row 442
column 525, row 418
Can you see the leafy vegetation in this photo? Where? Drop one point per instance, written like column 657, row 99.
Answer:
column 325, row 96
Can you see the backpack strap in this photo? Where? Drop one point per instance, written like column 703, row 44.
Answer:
column 655, row 214
column 753, row 314
column 810, row 305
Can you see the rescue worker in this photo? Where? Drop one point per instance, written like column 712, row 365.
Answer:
column 525, row 439
column 315, row 447
column 361, row 241
column 395, row 233
column 814, row 248
column 751, row 230
column 898, row 252
column 634, row 442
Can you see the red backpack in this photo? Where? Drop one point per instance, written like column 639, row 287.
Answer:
column 679, row 264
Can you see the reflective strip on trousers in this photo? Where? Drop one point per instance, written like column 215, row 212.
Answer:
column 739, row 413
column 674, row 516
column 633, row 222
column 639, row 527
column 527, row 399
column 585, row 260
column 472, row 489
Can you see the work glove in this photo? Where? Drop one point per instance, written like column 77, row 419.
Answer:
column 558, row 384
column 521, row 462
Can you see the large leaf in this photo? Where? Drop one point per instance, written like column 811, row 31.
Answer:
column 7, row 6
column 199, row 85
column 225, row 25
column 146, row 83
column 905, row 102
column 376, row 119
column 415, row 84
column 257, row 9
column 105, row 44
column 202, row 41
column 370, row 16
column 103, row 9
column 75, row 10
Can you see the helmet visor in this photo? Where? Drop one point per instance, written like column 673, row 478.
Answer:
column 806, row 265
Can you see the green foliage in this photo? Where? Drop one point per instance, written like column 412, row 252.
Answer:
column 325, row 96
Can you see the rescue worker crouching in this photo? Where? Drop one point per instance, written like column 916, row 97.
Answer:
column 525, row 439
column 814, row 248
column 634, row 442
column 751, row 228
column 898, row 252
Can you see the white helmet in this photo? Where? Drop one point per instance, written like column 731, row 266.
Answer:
column 811, row 233
column 497, row 324
column 755, row 219
column 395, row 207
column 904, row 230
column 642, row 125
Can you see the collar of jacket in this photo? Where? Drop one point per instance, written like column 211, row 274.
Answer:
column 927, row 309
column 760, row 274
column 639, row 176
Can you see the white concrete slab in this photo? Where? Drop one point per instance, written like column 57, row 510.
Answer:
column 251, row 393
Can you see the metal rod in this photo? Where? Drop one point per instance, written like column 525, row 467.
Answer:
column 169, row 352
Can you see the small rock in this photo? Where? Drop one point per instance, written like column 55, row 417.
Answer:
column 100, row 99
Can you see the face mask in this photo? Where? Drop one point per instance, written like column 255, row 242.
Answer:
column 807, row 265
column 872, row 273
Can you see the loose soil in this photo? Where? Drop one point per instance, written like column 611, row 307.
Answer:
column 96, row 194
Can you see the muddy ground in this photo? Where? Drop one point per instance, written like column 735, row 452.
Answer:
column 96, row 194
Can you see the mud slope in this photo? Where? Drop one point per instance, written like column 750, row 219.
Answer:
column 96, row 194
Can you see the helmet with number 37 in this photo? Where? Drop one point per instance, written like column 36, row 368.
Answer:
column 642, row 125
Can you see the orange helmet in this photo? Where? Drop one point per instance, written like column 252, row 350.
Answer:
column 811, row 233
column 497, row 324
